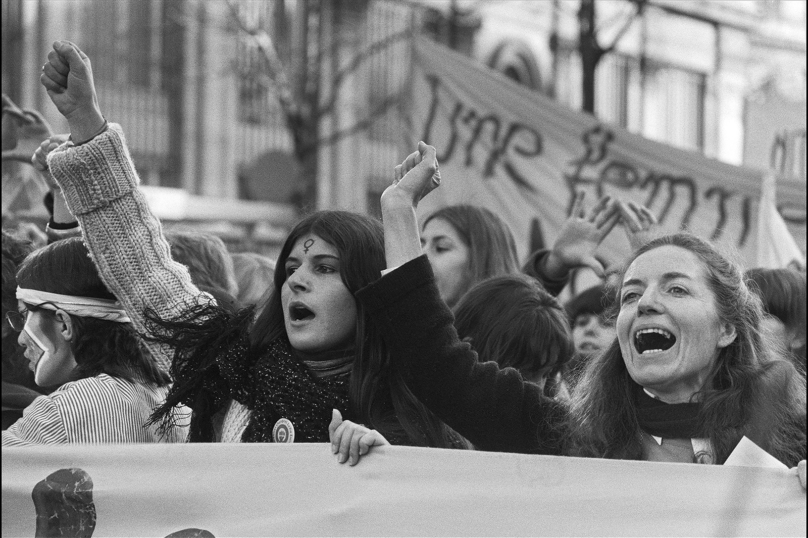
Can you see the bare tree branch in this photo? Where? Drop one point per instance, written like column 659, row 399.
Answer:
column 382, row 108
column 277, row 70
column 640, row 6
column 356, row 61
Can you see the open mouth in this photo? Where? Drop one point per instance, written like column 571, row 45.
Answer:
column 300, row 313
column 653, row 340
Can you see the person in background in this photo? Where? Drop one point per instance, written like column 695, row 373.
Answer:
column 254, row 276
column 209, row 263
column 592, row 327
column 19, row 388
column 78, row 337
column 515, row 322
column 467, row 244
column 783, row 295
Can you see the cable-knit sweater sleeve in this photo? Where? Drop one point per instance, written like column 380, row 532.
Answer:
column 124, row 238
column 493, row 408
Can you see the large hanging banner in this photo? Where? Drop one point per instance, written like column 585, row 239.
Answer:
column 219, row 490
column 523, row 155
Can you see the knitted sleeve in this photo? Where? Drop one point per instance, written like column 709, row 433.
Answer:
column 493, row 408
column 124, row 238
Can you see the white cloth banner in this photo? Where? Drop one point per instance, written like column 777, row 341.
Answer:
column 300, row 490
column 523, row 155
column 776, row 248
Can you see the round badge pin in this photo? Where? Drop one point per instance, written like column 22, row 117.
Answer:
column 283, row 431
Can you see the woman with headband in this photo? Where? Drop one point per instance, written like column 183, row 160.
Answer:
column 77, row 336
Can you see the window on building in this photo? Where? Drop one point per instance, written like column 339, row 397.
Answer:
column 673, row 106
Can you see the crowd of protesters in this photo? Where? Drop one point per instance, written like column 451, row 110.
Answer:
column 364, row 332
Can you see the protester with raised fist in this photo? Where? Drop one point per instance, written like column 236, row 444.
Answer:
column 687, row 376
column 274, row 378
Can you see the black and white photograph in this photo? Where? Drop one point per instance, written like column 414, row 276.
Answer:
column 404, row 268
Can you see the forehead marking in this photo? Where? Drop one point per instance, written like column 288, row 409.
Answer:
column 307, row 245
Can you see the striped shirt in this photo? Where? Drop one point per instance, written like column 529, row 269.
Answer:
column 100, row 409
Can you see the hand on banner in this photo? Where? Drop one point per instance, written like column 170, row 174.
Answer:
column 348, row 438
column 639, row 223
column 40, row 158
column 416, row 177
column 68, row 78
column 580, row 236
column 801, row 473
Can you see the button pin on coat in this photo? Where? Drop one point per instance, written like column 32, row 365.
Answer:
column 283, row 431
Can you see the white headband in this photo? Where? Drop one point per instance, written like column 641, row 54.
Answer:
column 85, row 307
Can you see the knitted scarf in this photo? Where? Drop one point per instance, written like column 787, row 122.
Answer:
column 282, row 387
column 213, row 363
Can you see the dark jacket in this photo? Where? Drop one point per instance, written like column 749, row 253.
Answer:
column 493, row 408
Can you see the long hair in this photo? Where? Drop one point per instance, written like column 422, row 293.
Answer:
column 99, row 346
column 783, row 294
column 512, row 320
column 750, row 391
column 492, row 248
column 379, row 397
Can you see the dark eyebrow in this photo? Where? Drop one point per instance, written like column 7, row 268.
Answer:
column 633, row 282
column 440, row 238
column 674, row 275
column 318, row 257
column 666, row 277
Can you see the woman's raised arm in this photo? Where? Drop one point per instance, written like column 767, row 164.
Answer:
column 100, row 186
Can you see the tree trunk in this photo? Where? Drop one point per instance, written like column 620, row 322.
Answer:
column 590, row 52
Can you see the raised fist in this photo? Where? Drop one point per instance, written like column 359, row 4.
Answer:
column 68, row 78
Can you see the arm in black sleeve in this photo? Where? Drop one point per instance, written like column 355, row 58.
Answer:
column 534, row 267
column 493, row 408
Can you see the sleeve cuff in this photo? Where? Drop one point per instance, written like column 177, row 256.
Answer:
column 57, row 231
column 94, row 174
column 396, row 283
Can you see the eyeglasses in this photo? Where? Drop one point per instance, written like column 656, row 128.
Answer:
column 17, row 319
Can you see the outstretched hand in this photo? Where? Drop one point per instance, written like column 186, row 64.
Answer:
column 350, row 441
column 639, row 223
column 581, row 235
column 416, row 177
column 68, row 78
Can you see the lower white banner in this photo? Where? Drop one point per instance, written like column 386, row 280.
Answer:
column 205, row 490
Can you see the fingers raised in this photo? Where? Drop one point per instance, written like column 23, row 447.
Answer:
column 578, row 205
column 598, row 208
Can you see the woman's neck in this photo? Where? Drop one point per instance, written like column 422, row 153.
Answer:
column 329, row 362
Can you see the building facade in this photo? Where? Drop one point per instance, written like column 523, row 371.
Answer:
column 205, row 112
